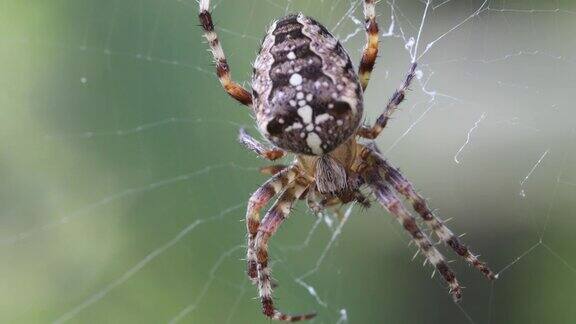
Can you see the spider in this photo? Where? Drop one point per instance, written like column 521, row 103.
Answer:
column 307, row 100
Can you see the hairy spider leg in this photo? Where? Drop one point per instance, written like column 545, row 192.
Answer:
column 386, row 197
column 274, row 217
column 257, row 201
column 249, row 142
column 393, row 103
column 370, row 52
column 234, row 89
column 272, row 169
column 405, row 188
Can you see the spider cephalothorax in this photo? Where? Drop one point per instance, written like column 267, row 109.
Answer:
column 307, row 100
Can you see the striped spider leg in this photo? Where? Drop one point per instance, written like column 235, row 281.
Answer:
column 234, row 89
column 388, row 199
column 272, row 169
column 257, row 201
column 274, row 217
column 406, row 189
column 260, row 149
column 380, row 175
column 393, row 103
column 370, row 52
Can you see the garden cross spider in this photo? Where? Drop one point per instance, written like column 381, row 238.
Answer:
column 307, row 100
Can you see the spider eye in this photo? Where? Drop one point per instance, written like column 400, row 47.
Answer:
column 274, row 127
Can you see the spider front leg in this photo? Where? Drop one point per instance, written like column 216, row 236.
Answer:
column 235, row 90
column 393, row 103
column 257, row 201
column 255, row 146
column 275, row 216
column 393, row 205
column 370, row 52
column 404, row 187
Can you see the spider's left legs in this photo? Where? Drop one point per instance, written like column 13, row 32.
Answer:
column 255, row 146
column 386, row 197
column 235, row 90
column 370, row 52
column 404, row 187
column 275, row 216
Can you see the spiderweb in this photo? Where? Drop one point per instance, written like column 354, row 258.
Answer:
column 124, row 190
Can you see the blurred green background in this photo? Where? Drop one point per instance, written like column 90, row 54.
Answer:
column 123, row 188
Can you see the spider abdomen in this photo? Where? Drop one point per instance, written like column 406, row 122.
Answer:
column 307, row 96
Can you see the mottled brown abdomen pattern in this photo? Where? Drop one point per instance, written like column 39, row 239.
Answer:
column 306, row 92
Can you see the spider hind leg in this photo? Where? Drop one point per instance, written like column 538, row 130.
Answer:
column 405, row 188
column 386, row 197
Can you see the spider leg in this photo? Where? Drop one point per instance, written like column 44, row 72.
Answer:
column 404, row 187
column 370, row 52
column 235, row 90
column 386, row 197
column 255, row 146
column 393, row 103
column 257, row 201
column 272, row 169
column 275, row 216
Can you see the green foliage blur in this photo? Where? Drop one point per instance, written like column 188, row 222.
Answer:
column 123, row 187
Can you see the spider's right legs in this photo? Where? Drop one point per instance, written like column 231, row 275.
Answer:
column 393, row 103
column 257, row 201
column 255, row 146
column 235, row 90
column 393, row 205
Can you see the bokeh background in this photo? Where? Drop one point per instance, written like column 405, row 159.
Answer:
column 123, row 188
